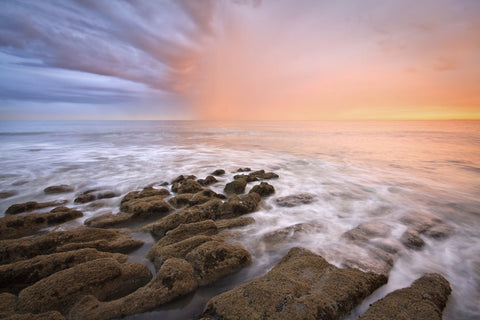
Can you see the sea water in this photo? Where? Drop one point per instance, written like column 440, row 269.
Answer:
column 357, row 172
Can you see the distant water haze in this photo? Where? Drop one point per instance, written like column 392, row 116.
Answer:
column 357, row 172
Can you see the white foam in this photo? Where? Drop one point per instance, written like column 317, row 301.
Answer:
column 349, row 189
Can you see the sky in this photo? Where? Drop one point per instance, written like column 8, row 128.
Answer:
column 239, row 59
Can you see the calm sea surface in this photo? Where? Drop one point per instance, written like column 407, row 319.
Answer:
column 357, row 171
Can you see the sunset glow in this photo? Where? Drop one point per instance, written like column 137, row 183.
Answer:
column 241, row 60
column 334, row 62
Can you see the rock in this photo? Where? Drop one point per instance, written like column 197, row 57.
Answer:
column 438, row 232
column 146, row 207
column 182, row 178
column 147, row 192
column 202, row 197
column 301, row 286
column 263, row 189
column 382, row 256
column 218, row 172
column 85, row 198
column 213, row 260
column 120, row 243
column 174, row 279
column 32, row 205
column 236, row 206
column 187, row 186
column 236, row 186
column 159, row 254
column 376, row 261
column 425, row 299
column 244, row 170
column 368, row 230
column 13, row 250
column 94, row 194
column 7, row 311
column 204, row 211
column 256, row 175
column 295, row 200
column 279, row 236
column 7, row 194
column 221, row 196
column 109, row 220
column 106, row 279
column 184, row 238
column 106, row 195
column 387, row 245
column 185, row 231
column 51, row 315
column 163, row 184
column 421, row 222
column 19, row 226
column 368, row 264
column 19, row 275
column 145, row 204
column 234, row 223
column 213, row 209
column 270, row 175
column 245, row 177
column 227, row 237
column 411, row 239
column 261, row 174
column 7, row 304
column 181, row 200
column 63, row 188
column 61, row 215
column 96, row 205
column 207, row 181
column 178, row 179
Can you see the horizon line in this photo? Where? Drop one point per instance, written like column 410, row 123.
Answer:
column 251, row 120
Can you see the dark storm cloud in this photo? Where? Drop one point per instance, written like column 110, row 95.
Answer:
column 29, row 80
column 144, row 50
column 138, row 41
column 127, row 50
column 54, row 90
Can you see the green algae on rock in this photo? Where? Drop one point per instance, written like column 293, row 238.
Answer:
column 302, row 285
column 425, row 299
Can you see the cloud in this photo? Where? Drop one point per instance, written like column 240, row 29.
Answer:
column 23, row 82
column 201, row 13
column 113, row 51
column 237, row 57
column 142, row 41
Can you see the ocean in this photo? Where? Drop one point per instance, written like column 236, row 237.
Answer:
column 357, row 172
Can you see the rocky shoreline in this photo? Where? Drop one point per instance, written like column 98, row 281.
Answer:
column 84, row 273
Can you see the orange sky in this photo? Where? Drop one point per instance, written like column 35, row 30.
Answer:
column 310, row 60
column 240, row 59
